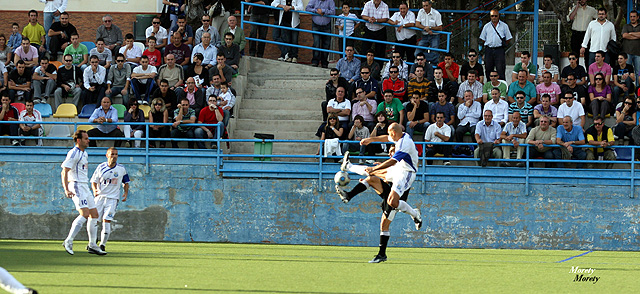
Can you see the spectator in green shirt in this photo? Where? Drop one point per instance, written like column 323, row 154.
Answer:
column 392, row 107
column 78, row 51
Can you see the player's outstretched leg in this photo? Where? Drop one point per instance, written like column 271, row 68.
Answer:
column 11, row 285
column 354, row 168
column 362, row 186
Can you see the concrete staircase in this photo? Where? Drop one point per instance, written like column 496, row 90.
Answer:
column 282, row 99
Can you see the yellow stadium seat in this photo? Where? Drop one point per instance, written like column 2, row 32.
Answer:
column 66, row 110
column 145, row 109
column 84, row 127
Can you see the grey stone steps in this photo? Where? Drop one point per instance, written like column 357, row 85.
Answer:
column 276, row 114
column 283, row 104
column 285, row 94
column 267, row 126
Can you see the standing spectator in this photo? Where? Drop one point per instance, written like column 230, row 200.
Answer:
column 104, row 54
column 598, row 34
column 168, row 97
column 599, row 97
column 417, row 115
column 16, row 37
column 599, row 66
column 522, row 84
column 396, row 60
column 104, row 114
column 440, row 84
column 438, row 132
column 624, row 78
column 498, row 106
column 579, row 92
column 513, row 133
column 526, row 65
column 111, row 34
column 420, row 61
column 44, row 78
column 207, row 50
column 30, row 127
column 375, row 12
column 550, row 88
column 35, row 32
column 469, row 114
column 158, row 114
column 404, row 19
column 358, row 132
column 198, row 71
column 601, row 136
column 494, row 83
column 78, row 51
column 222, row 69
column 579, row 73
column 346, row 27
column 567, row 135
column 487, row 135
column 218, row 15
column 580, row 16
column 372, row 65
column 472, row 65
column 291, row 19
column 496, row 36
column 429, row 20
column 143, row 79
column 208, row 115
column 445, row 107
column 69, row 82
column 184, row 114
column 421, row 84
column 20, row 82
column 631, row 40
column 27, row 53
column 180, row 51
column 231, row 52
column 540, row 136
column 450, row 69
column 158, row 32
column 625, row 119
column 571, row 109
column 545, row 109
column 396, row 85
column 366, row 82
column 365, row 108
column 238, row 34
column 548, row 66
column 59, row 34
column 5, row 51
column 53, row 12
column 174, row 74
column 95, row 83
column 261, row 15
column 119, row 79
column 175, row 9
column 9, row 113
column 349, row 66
column 155, row 56
column 525, row 110
column 185, row 30
column 393, row 108
column 133, row 114
column 321, row 23
column 194, row 95
column 470, row 85
column 131, row 52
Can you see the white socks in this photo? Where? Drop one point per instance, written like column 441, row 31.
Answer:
column 76, row 226
column 358, row 169
column 106, row 231
column 406, row 208
column 92, row 231
column 10, row 284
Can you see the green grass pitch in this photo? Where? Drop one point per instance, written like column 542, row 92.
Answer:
column 167, row 267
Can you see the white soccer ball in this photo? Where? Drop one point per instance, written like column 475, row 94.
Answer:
column 341, row 178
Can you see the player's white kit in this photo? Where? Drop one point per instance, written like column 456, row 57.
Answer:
column 109, row 181
column 403, row 173
column 77, row 162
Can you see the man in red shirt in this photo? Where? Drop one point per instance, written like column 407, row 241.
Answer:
column 395, row 84
column 209, row 115
column 450, row 69
column 9, row 113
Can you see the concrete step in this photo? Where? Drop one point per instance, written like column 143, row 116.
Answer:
column 277, row 114
column 286, row 82
column 286, row 94
column 259, row 66
column 283, row 104
column 278, row 148
column 267, row 126
column 279, row 134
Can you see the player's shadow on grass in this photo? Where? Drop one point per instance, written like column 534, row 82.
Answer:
column 191, row 289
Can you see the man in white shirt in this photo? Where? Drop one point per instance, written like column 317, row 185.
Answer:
column 405, row 19
column 598, row 34
column 469, row 114
column 580, row 16
column 429, row 20
column 570, row 108
column 94, row 82
column 142, row 80
column 131, row 52
column 513, row 133
column 375, row 12
column 495, row 35
column 340, row 107
column 498, row 106
column 158, row 32
column 438, row 132
column 30, row 128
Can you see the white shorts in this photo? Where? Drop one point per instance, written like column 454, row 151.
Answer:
column 106, row 207
column 401, row 178
column 83, row 197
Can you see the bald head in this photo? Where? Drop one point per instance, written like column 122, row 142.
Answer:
column 395, row 131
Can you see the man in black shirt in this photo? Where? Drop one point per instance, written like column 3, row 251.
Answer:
column 417, row 115
column 472, row 64
column 20, row 82
column 69, row 81
column 575, row 69
column 60, row 34
column 579, row 92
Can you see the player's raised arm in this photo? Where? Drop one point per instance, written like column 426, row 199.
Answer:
column 366, row 141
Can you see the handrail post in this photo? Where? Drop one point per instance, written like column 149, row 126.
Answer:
column 633, row 172
column 219, row 143
column 424, row 169
column 320, row 167
column 526, row 171
column 146, row 148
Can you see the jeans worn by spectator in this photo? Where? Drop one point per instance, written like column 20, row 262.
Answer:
column 431, row 41
column 323, row 42
column 260, row 32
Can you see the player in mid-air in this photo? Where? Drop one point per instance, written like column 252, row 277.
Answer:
column 11, row 285
column 399, row 171
column 75, row 183
column 105, row 183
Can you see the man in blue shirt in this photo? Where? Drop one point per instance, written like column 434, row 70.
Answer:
column 349, row 66
column 105, row 114
column 487, row 131
column 567, row 136
column 321, row 23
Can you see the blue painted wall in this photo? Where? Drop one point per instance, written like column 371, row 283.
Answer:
column 179, row 202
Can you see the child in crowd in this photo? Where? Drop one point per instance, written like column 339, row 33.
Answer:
column 16, row 37
column 155, row 56
column 351, row 25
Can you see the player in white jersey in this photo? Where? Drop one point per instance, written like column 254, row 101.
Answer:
column 105, row 183
column 11, row 285
column 75, row 181
column 399, row 170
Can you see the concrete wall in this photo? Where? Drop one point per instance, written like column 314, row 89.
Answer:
column 177, row 202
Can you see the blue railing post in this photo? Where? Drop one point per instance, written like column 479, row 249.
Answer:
column 320, row 167
column 526, row 172
column 146, row 149
column 633, row 171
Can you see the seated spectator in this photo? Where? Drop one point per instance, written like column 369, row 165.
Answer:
column 472, row 65
column 487, row 135
column 238, row 35
column 119, row 79
column 60, row 35
column 470, row 85
column 567, row 135
column 513, row 133
column 498, row 106
column 545, row 109
column 550, row 88
column 193, row 94
column 9, row 113
column 526, row 65
column 445, row 107
column 349, row 66
column 397, row 86
column 155, row 56
column 438, row 132
column 365, row 108
column 226, row 101
column 4, row 78
column 184, row 114
column 231, row 52
column 198, row 71
column 5, row 52
column 599, row 66
column 212, row 114
column 207, row 50
column 404, row 19
column 522, row 84
column 44, row 76
column 158, row 114
column 330, row 88
column 78, row 51
column 548, row 66
column 214, row 36
column 95, row 83
column 420, row 84
column 15, row 39
column 403, row 67
column 169, row 98
column 579, row 92
column 174, row 74
column 393, row 108
column 104, row 114
column 69, row 82
column 450, row 69
column 340, row 107
column 599, row 96
column 143, row 80
column 417, row 115
column 358, row 132
column 332, row 129
column 572, row 109
column 131, row 52
column 180, row 51
column 381, row 128
column 225, row 71
column 105, row 56
column 30, row 128
column 625, row 118
column 421, row 61
column 601, row 136
column 469, row 114
column 576, row 70
column 440, row 84
column 185, row 31
column 525, row 109
column 539, row 136
column 111, row 34
column 133, row 114
column 20, row 82
column 373, row 66
column 27, row 53
column 157, row 31
column 367, row 83
column 624, row 78
column 215, row 89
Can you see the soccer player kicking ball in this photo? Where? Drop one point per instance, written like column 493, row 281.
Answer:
column 74, row 181
column 399, row 170
column 105, row 183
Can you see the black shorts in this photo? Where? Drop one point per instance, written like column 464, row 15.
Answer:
column 386, row 190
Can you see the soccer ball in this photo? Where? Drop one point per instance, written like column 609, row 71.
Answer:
column 341, row 178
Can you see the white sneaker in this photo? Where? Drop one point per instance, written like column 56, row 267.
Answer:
column 342, row 193
column 68, row 246
column 294, row 60
column 345, row 162
column 281, row 59
column 288, row 60
column 36, row 100
column 418, row 219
